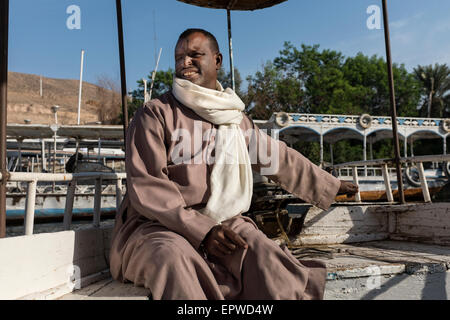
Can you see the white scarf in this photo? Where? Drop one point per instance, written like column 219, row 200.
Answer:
column 231, row 179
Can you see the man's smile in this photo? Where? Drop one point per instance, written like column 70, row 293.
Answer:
column 190, row 74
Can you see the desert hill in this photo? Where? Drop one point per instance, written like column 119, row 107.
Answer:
column 99, row 103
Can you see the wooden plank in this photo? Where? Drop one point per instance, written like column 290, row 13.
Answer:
column 387, row 183
column 423, row 183
column 356, row 182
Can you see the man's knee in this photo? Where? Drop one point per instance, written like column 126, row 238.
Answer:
column 171, row 254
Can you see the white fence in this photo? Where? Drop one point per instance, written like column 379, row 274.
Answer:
column 383, row 164
column 33, row 178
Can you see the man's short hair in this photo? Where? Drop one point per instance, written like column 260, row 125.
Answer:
column 212, row 40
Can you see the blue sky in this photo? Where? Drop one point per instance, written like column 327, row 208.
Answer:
column 41, row 43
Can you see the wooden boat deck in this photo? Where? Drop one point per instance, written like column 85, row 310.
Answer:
column 371, row 270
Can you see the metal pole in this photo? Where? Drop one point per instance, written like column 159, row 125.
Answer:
column 4, row 22
column 230, row 48
column 81, row 86
column 122, row 69
column 393, row 107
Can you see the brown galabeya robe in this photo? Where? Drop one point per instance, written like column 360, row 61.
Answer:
column 158, row 231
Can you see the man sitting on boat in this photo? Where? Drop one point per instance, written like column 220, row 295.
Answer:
column 180, row 231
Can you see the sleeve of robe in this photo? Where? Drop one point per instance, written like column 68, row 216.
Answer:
column 150, row 190
column 295, row 173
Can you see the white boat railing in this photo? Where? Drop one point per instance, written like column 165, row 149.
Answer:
column 33, row 178
column 385, row 170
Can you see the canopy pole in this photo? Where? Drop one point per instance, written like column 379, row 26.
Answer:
column 122, row 70
column 393, row 105
column 230, row 48
column 4, row 23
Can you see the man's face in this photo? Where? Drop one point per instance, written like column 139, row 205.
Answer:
column 196, row 61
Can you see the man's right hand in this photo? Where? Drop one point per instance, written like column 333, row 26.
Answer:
column 222, row 241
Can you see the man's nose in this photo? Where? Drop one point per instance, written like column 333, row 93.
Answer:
column 187, row 61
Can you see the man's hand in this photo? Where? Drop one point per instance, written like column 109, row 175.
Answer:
column 348, row 188
column 222, row 241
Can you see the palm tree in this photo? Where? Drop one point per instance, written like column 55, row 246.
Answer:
column 436, row 87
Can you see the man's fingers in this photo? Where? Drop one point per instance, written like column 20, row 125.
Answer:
column 223, row 250
column 237, row 239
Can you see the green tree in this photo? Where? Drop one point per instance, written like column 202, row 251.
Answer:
column 311, row 80
column 320, row 75
column 272, row 91
column 353, row 85
column 163, row 83
column 435, row 89
column 368, row 79
column 225, row 80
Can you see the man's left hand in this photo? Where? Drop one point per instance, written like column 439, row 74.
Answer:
column 348, row 188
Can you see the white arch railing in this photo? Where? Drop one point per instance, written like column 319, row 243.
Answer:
column 33, row 178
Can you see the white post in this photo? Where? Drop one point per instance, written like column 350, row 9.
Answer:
column 321, row 150
column 423, row 182
column 69, row 204
column 97, row 202
column 29, row 207
column 154, row 75
column 387, row 183
column 81, row 86
column 356, row 182
column 365, row 153
column 145, row 90
column 44, row 166
column 405, row 147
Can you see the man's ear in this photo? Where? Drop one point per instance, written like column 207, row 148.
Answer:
column 219, row 59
